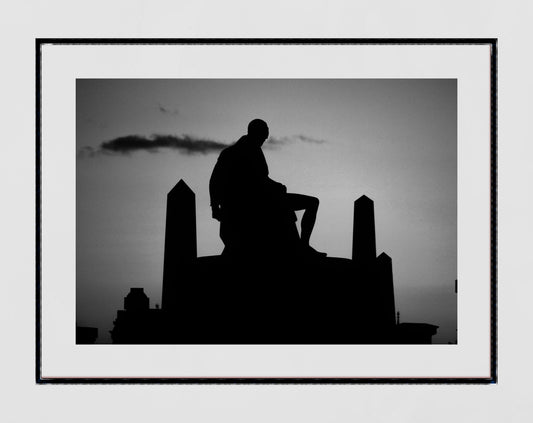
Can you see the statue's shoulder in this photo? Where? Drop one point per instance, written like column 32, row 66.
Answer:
column 233, row 149
column 227, row 152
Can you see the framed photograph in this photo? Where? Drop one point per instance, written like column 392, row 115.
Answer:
column 266, row 211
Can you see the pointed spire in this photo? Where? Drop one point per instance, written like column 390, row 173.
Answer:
column 181, row 188
column 384, row 257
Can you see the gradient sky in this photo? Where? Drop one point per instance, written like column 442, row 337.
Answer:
column 392, row 140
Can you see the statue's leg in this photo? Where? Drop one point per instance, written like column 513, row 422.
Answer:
column 310, row 206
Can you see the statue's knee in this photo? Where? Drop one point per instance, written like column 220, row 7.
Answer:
column 315, row 202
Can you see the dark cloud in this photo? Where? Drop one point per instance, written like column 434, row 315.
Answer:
column 167, row 111
column 184, row 143
column 132, row 143
column 305, row 138
column 86, row 152
column 275, row 142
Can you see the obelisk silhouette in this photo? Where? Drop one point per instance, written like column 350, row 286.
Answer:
column 378, row 270
column 364, row 232
column 385, row 289
column 180, row 240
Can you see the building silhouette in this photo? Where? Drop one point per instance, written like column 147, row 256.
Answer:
column 86, row 335
column 138, row 323
column 267, row 300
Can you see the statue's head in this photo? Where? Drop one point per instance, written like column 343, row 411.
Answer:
column 258, row 131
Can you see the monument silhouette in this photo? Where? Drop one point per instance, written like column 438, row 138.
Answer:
column 248, row 297
column 180, row 239
column 257, row 214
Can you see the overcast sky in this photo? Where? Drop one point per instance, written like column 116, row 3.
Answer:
column 392, row 140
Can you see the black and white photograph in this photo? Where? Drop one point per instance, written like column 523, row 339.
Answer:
column 266, row 211
column 213, row 215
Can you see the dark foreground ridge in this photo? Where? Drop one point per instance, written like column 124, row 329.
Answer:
column 274, row 299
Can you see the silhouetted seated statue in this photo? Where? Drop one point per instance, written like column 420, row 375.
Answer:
column 257, row 215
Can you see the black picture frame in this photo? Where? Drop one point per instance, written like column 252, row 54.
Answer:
column 492, row 42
